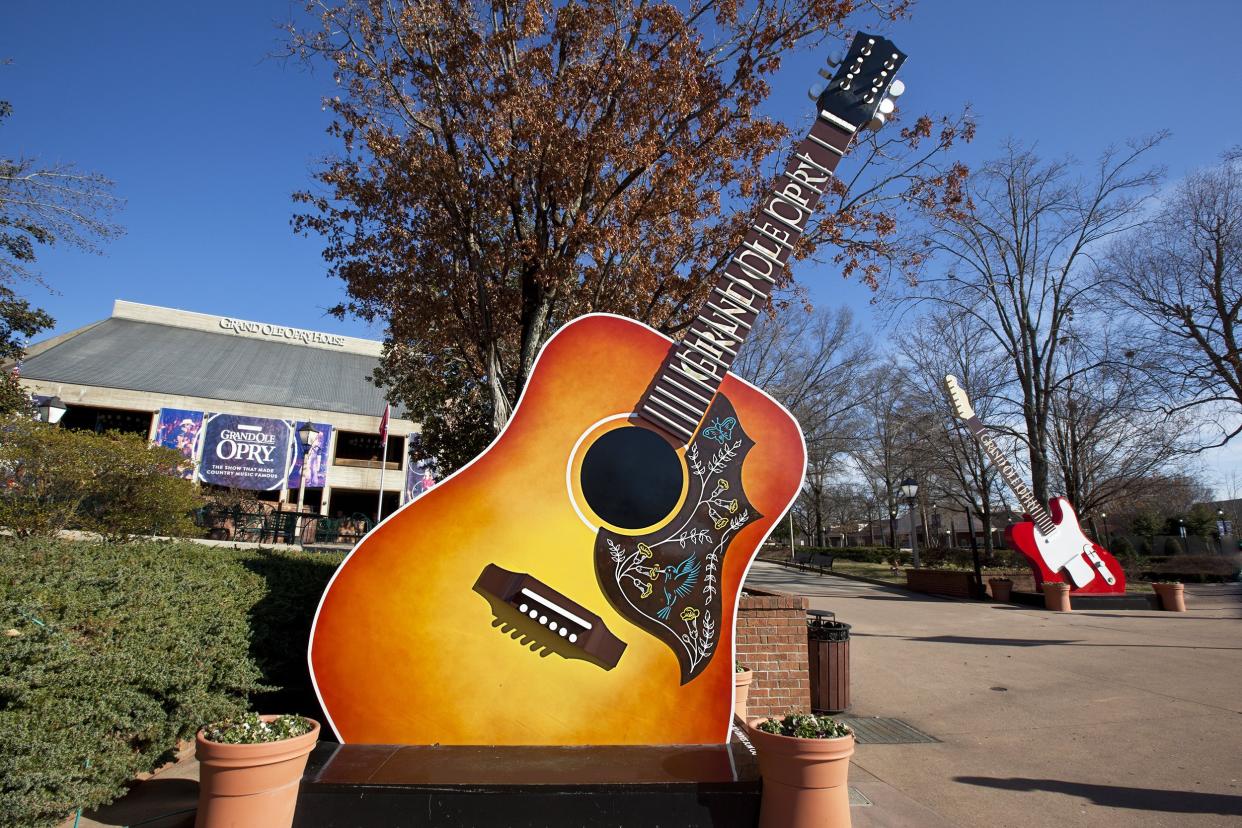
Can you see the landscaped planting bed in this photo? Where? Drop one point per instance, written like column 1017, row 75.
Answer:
column 111, row 653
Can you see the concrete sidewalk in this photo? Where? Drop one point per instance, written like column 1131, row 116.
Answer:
column 1045, row 719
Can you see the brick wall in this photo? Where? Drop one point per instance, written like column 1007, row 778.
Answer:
column 771, row 641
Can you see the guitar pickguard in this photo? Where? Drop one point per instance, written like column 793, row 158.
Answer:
column 668, row 582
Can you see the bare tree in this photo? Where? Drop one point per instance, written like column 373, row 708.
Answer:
column 884, row 448
column 1105, row 437
column 815, row 364
column 1181, row 278
column 1016, row 255
column 946, row 343
column 43, row 203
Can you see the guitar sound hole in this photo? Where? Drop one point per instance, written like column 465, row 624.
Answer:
column 631, row 477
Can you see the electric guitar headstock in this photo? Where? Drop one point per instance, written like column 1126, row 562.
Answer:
column 962, row 408
column 863, row 90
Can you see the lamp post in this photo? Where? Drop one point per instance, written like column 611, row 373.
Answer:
column 51, row 410
column 910, row 489
column 305, row 433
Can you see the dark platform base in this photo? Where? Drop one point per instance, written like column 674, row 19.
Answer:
column 502, row 787
column 1125, row 601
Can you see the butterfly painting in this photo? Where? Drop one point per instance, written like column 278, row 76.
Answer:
column 720, row 430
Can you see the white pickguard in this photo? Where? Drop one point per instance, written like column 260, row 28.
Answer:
column 1069, row 549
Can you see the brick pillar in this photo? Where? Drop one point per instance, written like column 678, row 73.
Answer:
column 771, row 641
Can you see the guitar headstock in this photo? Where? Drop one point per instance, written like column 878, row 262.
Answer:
column 862, row 90
column 957, row 397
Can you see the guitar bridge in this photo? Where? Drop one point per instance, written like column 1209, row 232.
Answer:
column 548, row 622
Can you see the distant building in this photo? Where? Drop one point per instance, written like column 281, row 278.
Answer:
column 231, row 394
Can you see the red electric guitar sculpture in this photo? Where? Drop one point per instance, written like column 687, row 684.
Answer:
column 1050, row 538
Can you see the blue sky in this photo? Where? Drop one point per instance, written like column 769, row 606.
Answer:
column 207, row 137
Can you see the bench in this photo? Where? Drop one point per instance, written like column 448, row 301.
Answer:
column 816, row 560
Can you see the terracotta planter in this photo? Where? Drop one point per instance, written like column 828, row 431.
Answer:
column 240, row 786
column 1057, row 596
column 1172, row 596
column 1002, row 588
column 804, row 780
column 741, row 691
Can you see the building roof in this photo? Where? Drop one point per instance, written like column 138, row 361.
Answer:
column 140, row 355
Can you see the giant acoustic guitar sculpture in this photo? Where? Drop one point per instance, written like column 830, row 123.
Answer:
column 577, row 582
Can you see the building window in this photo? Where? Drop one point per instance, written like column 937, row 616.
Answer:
column 99, row 420
column 357, row 448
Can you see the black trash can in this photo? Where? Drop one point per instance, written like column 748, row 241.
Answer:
column 828, row 657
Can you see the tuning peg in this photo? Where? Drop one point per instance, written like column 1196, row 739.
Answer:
column 835, row 57
column 815, row 91
column 877, row 122
column 896, row 89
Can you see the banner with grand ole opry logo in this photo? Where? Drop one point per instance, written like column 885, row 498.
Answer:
column 245, row 452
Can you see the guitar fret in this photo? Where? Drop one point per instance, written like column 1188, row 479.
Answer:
column 771, row 236
column 735, row 300
column 728, row 315
column 701, row 352
column 806, row 159
column 768, row 212
column 698, row 415
column 715, row 344
column 844, row 126
column 675, row 383
column 694, row 379
column 825, row 144
column 744, row 284
column 676, row 411
column 679, row 428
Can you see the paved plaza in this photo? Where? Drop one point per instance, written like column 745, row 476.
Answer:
column 1102, row 718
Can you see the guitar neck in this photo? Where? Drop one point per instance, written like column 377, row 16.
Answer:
column 681, row 393
column 1025, row 496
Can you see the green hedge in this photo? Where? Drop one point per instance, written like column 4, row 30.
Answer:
column 1192, row 569
column 113, row 653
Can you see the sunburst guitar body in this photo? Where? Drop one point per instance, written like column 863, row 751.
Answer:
column 577, row 583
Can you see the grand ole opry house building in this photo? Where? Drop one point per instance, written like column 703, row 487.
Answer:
column 232, row 394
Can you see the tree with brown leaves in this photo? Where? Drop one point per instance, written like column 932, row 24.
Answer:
column 507, row 167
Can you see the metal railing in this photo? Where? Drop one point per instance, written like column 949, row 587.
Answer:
column 254, row 524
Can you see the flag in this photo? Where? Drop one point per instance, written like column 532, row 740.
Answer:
column 384, row 424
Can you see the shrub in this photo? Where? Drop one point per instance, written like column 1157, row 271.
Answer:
column 806, row 726
column 121, row 650
column 250, row 729
column 111, row 483
column 113, row 654
column 1193, row 569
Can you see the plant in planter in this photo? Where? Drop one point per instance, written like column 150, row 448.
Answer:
column 741, row 689
column 1057, row 596
column 1172, row 595
column 804, row 760
column 249, row 769
column 1002, row 589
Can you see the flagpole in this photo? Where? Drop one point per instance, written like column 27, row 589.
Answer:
column 379, row 509
column 383, row 430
